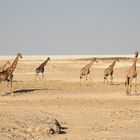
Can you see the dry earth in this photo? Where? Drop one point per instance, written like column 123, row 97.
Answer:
column 87, row 111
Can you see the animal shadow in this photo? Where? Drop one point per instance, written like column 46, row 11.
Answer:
column 115, row 84
column 25, row 91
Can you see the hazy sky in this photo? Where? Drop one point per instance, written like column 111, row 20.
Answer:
column 69, row 26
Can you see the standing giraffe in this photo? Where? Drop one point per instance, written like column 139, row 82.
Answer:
column 85, row 71
column 40, row 69
column 109, row 71
column 130, row 74
column 4, row 66
column 7, row 75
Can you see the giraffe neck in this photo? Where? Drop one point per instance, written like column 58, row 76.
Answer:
column 43, row 64
column 113, row 64
column 134, row 64
column 11, row 69
column 89, row 65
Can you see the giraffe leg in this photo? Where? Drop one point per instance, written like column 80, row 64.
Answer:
column 81, row 79
column 90, row 76
column 43, row 75
column 127, row 84
column 130, row 86
column 11, row 87
column 87, row 80
column 107, row 80
column 11, row 84
column 130, row 89
column 86, row 77
column 111, row 79
column 7, row 84
column 5, row 87
column 37, row 75
column 136, row 85
column 104, row 79
column 127, row 91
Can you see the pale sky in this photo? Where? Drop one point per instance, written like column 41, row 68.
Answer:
column 52, row 27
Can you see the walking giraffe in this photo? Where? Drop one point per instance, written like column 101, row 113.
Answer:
column 4, row 66
column 130, row 74
column 7, row 75
column 109, row 71
column 85, row 71
column 40, row 69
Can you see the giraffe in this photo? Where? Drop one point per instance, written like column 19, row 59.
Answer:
column 4, row 66
column 40, row 69
column 131, row 74
column 109, row 71
column 7, row 74
column 85, row 71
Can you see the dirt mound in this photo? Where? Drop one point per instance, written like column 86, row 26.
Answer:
column 28, row 126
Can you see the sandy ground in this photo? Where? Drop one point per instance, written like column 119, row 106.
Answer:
column 87, row 111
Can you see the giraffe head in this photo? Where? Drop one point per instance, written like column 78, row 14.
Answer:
column 117, row 59
column 136, row 54
column 19, row 55
column 95, row 60
column 48, row 58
